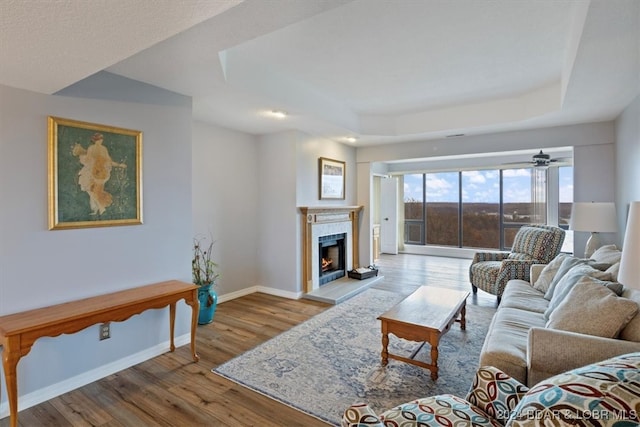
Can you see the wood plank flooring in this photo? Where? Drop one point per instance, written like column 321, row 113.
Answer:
column 171, row 390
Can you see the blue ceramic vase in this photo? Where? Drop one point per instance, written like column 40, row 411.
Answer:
column 208, row 299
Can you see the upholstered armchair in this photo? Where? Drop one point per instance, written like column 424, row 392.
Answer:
column 533, row 244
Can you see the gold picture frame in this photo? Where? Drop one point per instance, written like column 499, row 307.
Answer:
column 95, row 175
column 331, row 178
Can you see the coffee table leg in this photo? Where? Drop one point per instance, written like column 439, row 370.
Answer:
column 434, row 360
column 385, row 344
column 463, row 312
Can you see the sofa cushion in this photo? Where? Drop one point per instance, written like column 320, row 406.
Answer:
column 446, row 410
column 604, row 393
column 521, row 295
column 548, row 273
column 505, row 345
column 608, row 254
column 593, row 309
column 631, row 332
column 567, row 264
column 569, row 280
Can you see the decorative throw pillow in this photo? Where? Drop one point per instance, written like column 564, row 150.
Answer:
column 604, row 393
column 567, row 264
column 613, row 271
column 495, row 393
column 592, row 309
column 569, row 280
column 548, row 273
column 609, row 254
column 631, row 332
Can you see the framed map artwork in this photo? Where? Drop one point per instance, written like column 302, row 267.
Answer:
column 95, row 175
column 331, row 178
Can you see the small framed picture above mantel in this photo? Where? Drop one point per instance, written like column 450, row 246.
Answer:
column 331, row 179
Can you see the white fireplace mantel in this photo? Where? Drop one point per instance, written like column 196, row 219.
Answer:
column 327, row 219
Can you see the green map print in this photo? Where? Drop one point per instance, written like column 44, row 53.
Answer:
column 96, row 179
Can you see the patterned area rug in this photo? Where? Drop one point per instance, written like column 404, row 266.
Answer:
column 333, row 360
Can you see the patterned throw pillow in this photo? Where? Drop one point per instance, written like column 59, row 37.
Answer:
column 602, row 394
column 495, row 393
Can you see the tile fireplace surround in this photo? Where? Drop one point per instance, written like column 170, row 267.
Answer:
column 321, row 221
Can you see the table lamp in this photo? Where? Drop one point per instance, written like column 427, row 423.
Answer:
column 595, row 218
column 629, row 273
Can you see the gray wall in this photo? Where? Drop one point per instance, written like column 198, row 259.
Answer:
column 225, row 202
column 39, row 267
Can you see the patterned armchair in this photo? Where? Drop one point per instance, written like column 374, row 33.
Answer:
column 606, row 393
column 533, row 244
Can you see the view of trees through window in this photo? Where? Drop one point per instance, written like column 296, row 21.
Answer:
column 482, row 208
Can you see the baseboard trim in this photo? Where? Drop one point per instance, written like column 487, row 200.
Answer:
column 47, row 393
column 264, row 289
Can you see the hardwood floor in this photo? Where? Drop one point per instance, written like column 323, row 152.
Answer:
column 171, row 390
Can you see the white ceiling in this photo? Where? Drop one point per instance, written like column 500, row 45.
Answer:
column 380, row 70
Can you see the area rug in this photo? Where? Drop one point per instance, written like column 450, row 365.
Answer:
column 333, row 360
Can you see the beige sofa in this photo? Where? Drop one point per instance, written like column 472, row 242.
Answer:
column 571, row 313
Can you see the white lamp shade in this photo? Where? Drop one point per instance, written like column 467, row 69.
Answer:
column 594, row 217
column 629, row 274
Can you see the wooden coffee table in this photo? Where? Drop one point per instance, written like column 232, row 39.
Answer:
column 424, row 316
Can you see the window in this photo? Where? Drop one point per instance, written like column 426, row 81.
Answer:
column 483, row 208
column 517, row 206
column 565, row 202
column 442, row 195
column 414, row 209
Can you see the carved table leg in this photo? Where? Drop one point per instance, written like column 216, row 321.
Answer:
column 10, row 359
column 172, row 324
column 434, row 359
column 385, row 344
column 195, row 308
column 463, row 312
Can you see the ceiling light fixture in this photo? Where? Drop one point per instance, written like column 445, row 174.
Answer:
column 278, row 114
column 351, row 139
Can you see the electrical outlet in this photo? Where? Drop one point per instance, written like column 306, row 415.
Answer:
column 105, row 331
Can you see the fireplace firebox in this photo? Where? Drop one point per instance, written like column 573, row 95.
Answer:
column 331, row 257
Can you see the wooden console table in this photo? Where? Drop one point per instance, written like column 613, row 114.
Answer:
column 19, row 331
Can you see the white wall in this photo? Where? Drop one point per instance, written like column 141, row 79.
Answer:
column 627, row 162
column 561, row 136
column 39, row 267
column 225, row 202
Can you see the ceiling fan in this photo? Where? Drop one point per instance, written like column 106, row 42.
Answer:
column 543, row 160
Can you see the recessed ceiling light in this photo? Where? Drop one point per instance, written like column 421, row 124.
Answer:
column 351, row 139
column 277, row 114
